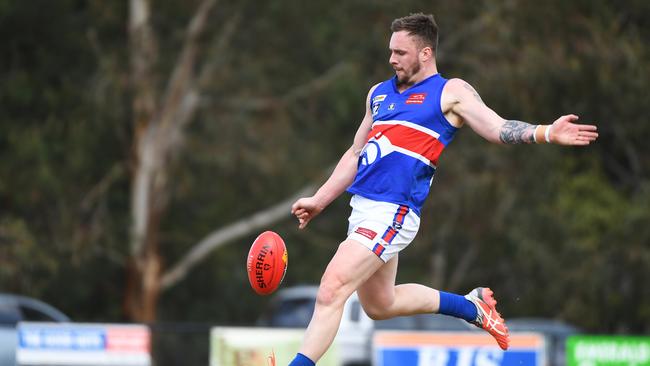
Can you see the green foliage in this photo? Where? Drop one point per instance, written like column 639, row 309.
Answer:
column 19, row 253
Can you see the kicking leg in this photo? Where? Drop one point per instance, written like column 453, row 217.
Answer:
column 381, row 299
column 350, row 267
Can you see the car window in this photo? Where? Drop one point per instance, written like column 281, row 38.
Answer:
column 293, row 313
column 34, row 315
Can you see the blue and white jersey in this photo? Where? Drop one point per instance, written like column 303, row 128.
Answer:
column 409, row 132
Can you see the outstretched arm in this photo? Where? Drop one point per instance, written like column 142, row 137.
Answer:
column 343, row 175
column 464, row 102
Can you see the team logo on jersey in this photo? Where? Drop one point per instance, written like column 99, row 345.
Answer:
column 376, row 148
column 376, row 102
column 370, row 153
column 375, row 109
column 391, row 106
column 416, row 98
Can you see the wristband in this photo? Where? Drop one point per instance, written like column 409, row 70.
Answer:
column 547, row 134
column 535, row 134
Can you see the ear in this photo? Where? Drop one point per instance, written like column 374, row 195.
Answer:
column 426, row 54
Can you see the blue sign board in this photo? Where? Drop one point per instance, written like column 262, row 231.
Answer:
column 455, row 349
column 74, row 344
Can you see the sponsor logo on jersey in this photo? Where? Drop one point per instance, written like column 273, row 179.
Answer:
column 379, row 98
column 416, row 98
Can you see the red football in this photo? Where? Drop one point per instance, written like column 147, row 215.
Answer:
column 267, row 263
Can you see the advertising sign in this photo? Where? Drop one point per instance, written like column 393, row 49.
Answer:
column 234, row 346
column 608, row 351
column 392, row 348
column 82, row 344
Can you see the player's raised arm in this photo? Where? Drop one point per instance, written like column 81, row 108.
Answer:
column 463, row 103
column 343, row 175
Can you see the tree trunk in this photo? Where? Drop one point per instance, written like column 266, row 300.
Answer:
column 143, row 262
column 158, row 123
column 143, row 286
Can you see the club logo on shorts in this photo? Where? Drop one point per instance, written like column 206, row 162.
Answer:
column 366, row 232
column 397, row 225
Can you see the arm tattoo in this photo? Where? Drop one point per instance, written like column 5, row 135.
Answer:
column 474, row 92
column 517, row 132
column 512, row 132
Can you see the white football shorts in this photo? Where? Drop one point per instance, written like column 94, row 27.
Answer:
column 384, row 228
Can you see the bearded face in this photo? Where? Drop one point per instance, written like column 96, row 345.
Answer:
column 405, row 57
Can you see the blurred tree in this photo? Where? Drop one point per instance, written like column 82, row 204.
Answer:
column 159, row 129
